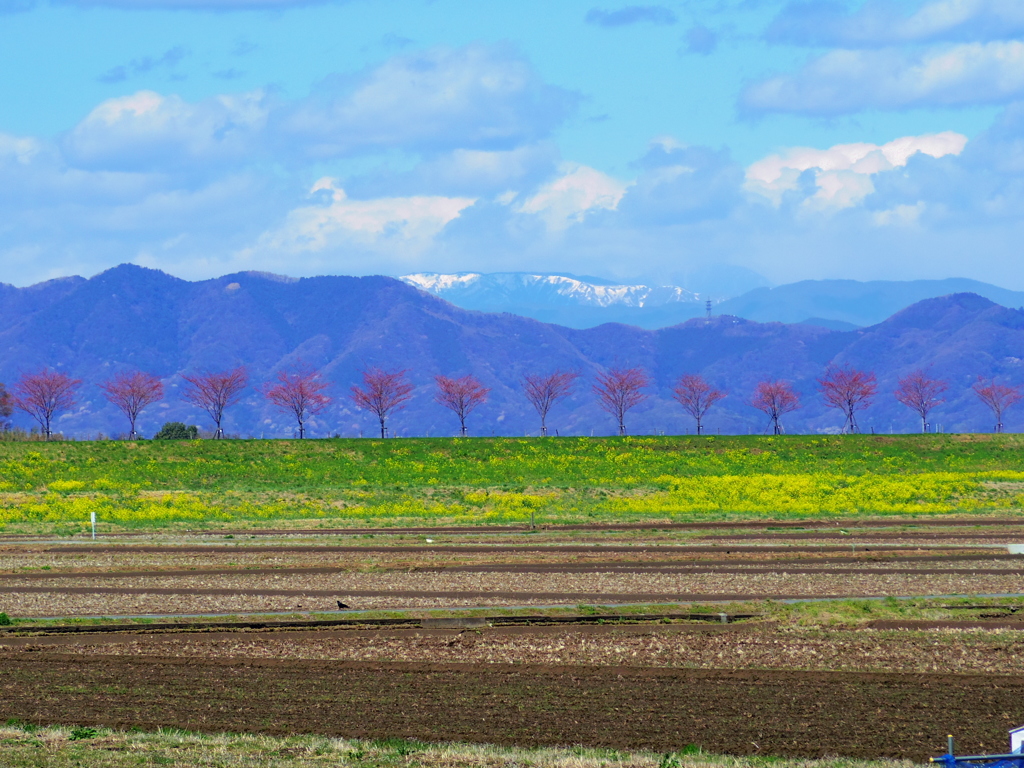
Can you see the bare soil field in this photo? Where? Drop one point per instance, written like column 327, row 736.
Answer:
column 266, row 575
column 395, row 591
column 742, row 712
column 985, row 647
column 768, row 688
column 164, row 551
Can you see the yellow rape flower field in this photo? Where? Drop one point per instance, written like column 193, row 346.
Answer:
column 355, row 483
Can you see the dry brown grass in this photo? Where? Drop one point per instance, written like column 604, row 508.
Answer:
column 54, row 747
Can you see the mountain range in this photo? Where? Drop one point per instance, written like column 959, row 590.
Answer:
column 569, row 300
column 847, row 304
column 142, row 318
column 584, row 302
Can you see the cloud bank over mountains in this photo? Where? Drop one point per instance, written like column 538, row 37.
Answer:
column 454, row 158
column 842, row 174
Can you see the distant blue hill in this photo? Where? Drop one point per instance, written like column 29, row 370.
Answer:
column 852, row 302
column 130, row 317
column 585, row 302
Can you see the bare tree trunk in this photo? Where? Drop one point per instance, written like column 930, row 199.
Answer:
column 852, row 423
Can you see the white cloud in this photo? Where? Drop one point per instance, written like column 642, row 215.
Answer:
column 34, row 173
column 147, row 130
column 487, row 169
column 200, row 185
column 842, row 173
column 567, row 199
column 483, row 106
column 844, row 81
column 189, row 186
column 79, row 220
column 900, row 215
column 878, row 23
column 682, row 183
column 21, row 149
column 477, row 97
column 463, row 172
column 405, row 222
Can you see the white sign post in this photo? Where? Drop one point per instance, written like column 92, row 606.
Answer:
column 92, row 516
column 1017, row 739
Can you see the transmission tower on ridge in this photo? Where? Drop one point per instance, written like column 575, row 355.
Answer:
column 707, row 306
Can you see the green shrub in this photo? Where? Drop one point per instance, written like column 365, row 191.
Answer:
column 5, row 620
column 175, row 430
column 401, row 747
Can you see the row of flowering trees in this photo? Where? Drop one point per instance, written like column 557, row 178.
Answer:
column 848, row 390
column 301, row 392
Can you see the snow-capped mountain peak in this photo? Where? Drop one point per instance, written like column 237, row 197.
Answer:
column 473, row 290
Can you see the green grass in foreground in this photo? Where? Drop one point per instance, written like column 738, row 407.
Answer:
column 502, row 480
column 25, row 746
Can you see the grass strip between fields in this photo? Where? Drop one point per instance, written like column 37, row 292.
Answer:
column 824, row 612
column 23, row 745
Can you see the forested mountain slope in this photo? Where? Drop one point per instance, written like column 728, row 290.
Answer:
column 135, row 317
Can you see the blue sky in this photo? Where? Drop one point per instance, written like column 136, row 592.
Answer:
column 798, row 140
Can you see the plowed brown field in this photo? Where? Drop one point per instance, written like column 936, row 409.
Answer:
column 807, row 714
column 758, row 689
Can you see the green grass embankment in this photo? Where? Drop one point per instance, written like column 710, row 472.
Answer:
column 503, row 480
